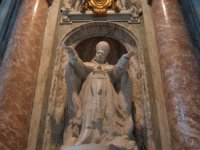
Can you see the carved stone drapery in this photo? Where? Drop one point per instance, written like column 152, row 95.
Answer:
column 100, row 112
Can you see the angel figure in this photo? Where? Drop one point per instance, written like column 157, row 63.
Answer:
column 99, row 107
column 73, row 4
column 127, row 4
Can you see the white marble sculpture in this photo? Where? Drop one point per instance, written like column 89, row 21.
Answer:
column 127, row 4
column 73, row 4
column 98, row 112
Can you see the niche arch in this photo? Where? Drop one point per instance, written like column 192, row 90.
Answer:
column 102, row 29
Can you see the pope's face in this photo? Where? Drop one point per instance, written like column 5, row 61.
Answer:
column 101, row 54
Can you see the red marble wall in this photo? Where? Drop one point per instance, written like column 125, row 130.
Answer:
column 18, row 74
column 180, row 75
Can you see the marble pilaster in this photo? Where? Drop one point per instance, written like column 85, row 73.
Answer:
column 18, row 74
column 180, row 75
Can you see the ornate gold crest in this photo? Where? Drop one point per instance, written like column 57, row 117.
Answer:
column 100, row 7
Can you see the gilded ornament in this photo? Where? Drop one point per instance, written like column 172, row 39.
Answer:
column 100, row 7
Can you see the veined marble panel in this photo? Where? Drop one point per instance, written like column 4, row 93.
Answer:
column 180, row 75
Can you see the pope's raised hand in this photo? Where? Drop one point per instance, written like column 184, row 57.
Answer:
column 128, row 55
column 69, row 49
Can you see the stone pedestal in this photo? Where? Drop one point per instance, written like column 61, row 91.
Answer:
column 180, row 75
column 87, row 147
column 18, row 74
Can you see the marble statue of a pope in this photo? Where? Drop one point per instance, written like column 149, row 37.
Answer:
column 98, row 112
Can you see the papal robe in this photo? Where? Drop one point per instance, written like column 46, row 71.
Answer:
column 101, row 116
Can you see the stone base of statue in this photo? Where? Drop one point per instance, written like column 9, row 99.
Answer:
column 89, row 147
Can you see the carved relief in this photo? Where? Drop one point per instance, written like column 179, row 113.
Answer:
column 122, row 10
column 127, row 4
column 122, row 4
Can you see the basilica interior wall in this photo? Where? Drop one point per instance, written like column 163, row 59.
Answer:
column 162, row 90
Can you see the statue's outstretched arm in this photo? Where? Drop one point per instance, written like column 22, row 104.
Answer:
column 81, row 69
column 121, row 67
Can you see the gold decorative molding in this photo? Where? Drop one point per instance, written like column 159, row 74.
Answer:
column 100, row 7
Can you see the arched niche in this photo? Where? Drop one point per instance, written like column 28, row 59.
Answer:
column 84, row 39
column 102, row 29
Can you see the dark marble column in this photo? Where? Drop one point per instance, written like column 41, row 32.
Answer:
column 180, row 75
column 18, row 74
column 8, row 13
column 190, row 9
